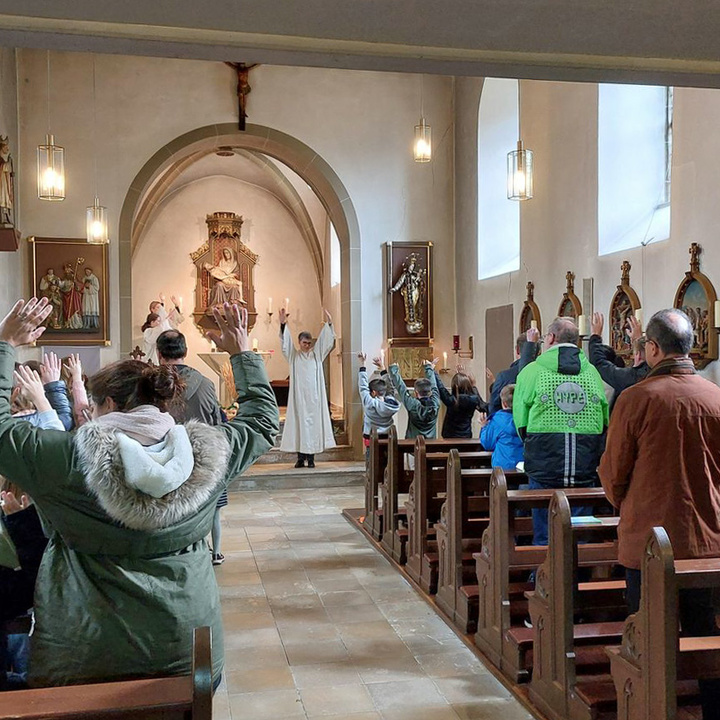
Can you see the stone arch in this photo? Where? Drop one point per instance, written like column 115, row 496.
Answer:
column 167, row 162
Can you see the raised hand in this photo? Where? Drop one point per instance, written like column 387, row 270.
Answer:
column 328, row 317
column 483, row 419
column 30, row 383
column 533, row 335
column 162, row 297
column 50, row 368
column 379, row 362
column 24, row 323
column 490, row 375
column 362, row 357
column 283, row 316
column 233, row 335
column 74, row 367
column 10, row 503
column 175, row 301
column 635, row 328
column 597, row 323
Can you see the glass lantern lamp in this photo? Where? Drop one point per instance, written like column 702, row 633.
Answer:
column 520, row 173
column 50, row 170
column 422, row 149
column 96, row 220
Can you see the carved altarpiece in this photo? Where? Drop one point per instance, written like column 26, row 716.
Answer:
column 570, row 305
column 223, row 233
column 530, row 310
column 623, row 305
column 696, row 297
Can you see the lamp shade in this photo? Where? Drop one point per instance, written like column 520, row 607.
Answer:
column 96, row 221
column 520, row 173
column 51, row 170
column 422, row 148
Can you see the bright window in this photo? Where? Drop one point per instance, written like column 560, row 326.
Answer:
column 335, row 265
column 498, row 217
column 634, row 162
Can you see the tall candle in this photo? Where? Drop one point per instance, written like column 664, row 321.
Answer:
column 287, row 304
column 444, row 360
column 255, row 345
column 639, row 316
column 213, row 346
column 717, row 313
column 270, row 305
column 582, row 325
column 533, row 324
column 180, row 303
column 382, row 355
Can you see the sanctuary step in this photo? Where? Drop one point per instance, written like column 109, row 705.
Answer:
column 284, row 476
column 340, row 453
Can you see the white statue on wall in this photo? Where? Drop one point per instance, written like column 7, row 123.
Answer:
column 228, row 286
column 7, row 189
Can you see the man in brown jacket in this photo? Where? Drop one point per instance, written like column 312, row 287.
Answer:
column 662, row 467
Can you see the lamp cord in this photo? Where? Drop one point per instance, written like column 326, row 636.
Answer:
column 48, row 92
column 94, row 129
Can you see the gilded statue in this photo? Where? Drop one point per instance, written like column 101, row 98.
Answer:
column 411, row 285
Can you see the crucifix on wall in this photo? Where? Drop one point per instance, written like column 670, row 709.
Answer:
column 243, row 88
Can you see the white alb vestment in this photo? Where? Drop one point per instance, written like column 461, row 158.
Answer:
column 168, row 322
column 150, row 337
column 308, row 428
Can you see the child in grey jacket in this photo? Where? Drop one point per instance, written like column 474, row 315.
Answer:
column 379, row 407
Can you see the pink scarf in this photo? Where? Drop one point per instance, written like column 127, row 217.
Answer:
column 145, row 423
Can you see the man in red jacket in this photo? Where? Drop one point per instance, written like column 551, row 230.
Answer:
column 662, row 467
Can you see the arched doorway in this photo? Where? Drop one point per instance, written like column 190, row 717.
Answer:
column 301, row 159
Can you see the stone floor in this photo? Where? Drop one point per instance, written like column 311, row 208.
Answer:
column 318, row 624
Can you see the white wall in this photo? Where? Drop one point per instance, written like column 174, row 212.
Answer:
column 284, row 268
column 559, row 226
column 361, row 123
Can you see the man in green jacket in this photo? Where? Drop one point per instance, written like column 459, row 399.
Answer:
column 422, row 406
column 561, row 413
column 127, row 575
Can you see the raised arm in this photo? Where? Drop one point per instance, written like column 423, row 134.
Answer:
column 445, row 395
column 523, row 399
column 326, row 338
column 287, row 345
column 56, row 390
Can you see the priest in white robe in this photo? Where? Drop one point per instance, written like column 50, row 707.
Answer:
column 308, row 428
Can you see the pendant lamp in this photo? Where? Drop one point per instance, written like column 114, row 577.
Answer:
column 520, row 168
column 50, row 160
column 422, row 147
column 96, row 216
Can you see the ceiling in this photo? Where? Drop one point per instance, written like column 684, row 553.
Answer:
column 652, row 41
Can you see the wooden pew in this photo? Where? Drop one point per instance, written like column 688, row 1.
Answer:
column 377, row 462
column 187, row 697
column 464, row 518
column 569, row 668
column 652, row 668
column 502, row 567
column 426, row 496
column 397, row 481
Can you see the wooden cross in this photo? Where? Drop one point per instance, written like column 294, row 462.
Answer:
column 243, row 88
column 137, row 353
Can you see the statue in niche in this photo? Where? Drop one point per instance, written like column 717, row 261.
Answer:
column 7, row 184
column 411, row 285
column 228, row 285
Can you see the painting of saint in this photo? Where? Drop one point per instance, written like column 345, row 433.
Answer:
column 91, row 300
column 567, row 309
column 226, row 274
column 50, row 289
column 695, row 306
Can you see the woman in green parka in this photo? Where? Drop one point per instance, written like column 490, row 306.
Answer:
column 127, row 502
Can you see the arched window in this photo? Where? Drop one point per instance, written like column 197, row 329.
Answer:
column 634, row 164
column 498, row 217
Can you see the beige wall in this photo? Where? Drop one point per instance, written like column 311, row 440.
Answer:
column 361, row 123
column 559, row 225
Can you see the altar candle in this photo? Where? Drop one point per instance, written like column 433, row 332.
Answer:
column 270, row 306
column 445, row 360
column 382, row 355
column 717, row 313
column 533, row 324
column 287, row 304
column 213, row 346
column 639, row 316
column 255, row 344
column 180, row 303
column 582, row 325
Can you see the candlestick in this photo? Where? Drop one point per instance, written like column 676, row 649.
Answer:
column 213, row 346
column 270, row 312
column 639, row 316
column 582, row 325
column 717, row 313
column 444, row 360
column 533, row 324
column 287, row 305
column 255, row 345
column 382, row 356
column 180, row 303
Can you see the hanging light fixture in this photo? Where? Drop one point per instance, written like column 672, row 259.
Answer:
column 50, row 160
column 520, row 168
column 96, row 216
column 422, row 148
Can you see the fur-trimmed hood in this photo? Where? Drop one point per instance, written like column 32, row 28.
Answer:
column 115, row 474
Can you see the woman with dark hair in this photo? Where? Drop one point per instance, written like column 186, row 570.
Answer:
column 128, row 501
column 461, row 403
column 151, row 330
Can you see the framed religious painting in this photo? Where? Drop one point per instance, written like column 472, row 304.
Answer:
column 570, row 305
column 624, row 305
column 696, row 297
column 225, row 270
column 530, row 312
column 409, row 297
column 73, row 275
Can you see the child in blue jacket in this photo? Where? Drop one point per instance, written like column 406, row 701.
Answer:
column 500, row 435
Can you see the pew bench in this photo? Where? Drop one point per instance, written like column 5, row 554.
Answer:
column 187, row 697
column 569, row 665
column 655, row 670
column 376, row 464
column 502, row 568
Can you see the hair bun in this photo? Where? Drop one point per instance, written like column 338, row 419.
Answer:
column 161, row 384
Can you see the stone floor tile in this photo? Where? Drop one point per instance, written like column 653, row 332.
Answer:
column 259, row 679
column 437, row 712
column 252, row 638
column 492, row 710
column 324, row 700
column 406, row 610
column 380, row 630
column 325, row 674
column 325, row 651
column 403, row 695
column 280, row 603
column 233, row 621
column 346, row 598
column 389, row 670
column 241, row 658
column 345, row 614
column 270, row 705
column 450, row 664
column 472, row 689
column 308, row 632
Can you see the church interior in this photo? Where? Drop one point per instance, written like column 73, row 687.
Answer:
column 322, row 148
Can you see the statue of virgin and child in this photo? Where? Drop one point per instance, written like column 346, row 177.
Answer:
column 227, row 285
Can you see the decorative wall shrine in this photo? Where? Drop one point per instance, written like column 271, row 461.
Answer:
column 409, row 305
column 624, row 304
column 530, row 311
column 570, row 305
column 225, row 270
column 696, row 297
